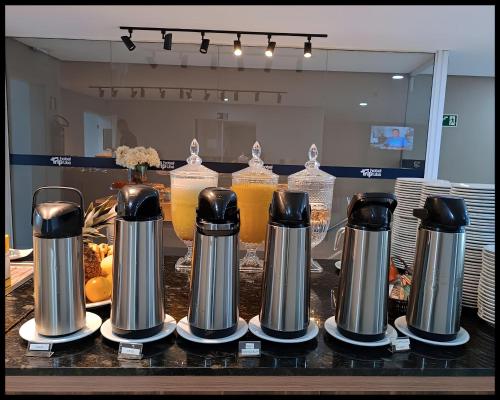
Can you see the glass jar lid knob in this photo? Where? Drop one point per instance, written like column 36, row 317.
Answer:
column 256, row 152
column 194, row 148
column 313, row 154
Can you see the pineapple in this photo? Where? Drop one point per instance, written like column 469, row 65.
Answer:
column 95, row 218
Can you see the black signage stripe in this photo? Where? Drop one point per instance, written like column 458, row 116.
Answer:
column 221, row 167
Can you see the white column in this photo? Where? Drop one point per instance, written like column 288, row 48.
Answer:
column 436, row 114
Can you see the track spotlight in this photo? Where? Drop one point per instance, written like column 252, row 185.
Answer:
column 133, row 92
column 101, row 92
column 236, row 96
column 204, row 44
column 279, row 98
column 207, row 95
column 167, row 40
column 307, row 48
column 181, row 93
column 163, row 92
column 237, row 46
column 128, row 41
column 143, row 92
column 114, row 92
column 189, row 94
column 257, row 96
column 270, row 47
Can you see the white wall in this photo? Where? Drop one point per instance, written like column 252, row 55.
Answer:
column 468, row 151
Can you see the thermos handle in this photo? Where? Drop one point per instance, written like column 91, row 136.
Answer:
column 33, row 204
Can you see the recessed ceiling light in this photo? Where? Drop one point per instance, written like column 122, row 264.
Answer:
column 363, row 104
column 397, row 77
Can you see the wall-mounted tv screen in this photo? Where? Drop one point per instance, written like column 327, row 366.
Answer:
column 392, row 137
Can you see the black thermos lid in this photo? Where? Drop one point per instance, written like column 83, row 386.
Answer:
column 57, row 219
column 138, row 203
column 217, row 205
column 443, row 213
column 290, row 208
column 371, row 211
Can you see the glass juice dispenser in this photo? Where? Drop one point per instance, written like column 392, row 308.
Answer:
column 254, row 187
column 319, row 185
column 187, row 182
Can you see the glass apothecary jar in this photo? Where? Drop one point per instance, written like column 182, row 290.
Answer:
column 254, row 187
column 319, row 185
column 186, row 184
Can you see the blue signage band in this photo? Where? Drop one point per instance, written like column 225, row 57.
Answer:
column 221, row 167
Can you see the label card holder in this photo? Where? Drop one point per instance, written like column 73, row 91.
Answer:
column 130, row 351
column 249, row 348
column 39, row 350
column 401, row 343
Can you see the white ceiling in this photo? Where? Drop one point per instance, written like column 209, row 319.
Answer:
column 467, row 31
column 188, row 54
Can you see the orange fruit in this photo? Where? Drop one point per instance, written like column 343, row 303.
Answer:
column 98, row 289
column 110, row 279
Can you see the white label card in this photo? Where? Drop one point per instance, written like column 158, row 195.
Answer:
column 39, row 349
column 249, row 348
column 131, row 351
column 401, row 343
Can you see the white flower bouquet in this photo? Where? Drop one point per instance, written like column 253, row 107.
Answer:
column 137, row 156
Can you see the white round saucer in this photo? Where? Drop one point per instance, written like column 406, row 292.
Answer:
column 311, row 333
column 462, row 336
column 98, row 304
column 184, row 330
column 28, row 331
column 168, row 327
column 331, row 328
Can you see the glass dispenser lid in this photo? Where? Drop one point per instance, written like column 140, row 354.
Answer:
column 312, row 173
column 193, row 168
column 256, row 170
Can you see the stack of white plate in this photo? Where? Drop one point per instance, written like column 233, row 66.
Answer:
column 434, row 188
column 486, row 288
column 404, row 226
column 480, row 201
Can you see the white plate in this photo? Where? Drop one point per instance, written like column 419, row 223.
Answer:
column 474, row 186
column 98, row 304
column 28, row 331
column 462, row 336
column 338, row 264
column 254, row 325
column 490, row 248
column 331, row 328
column 168, row 328
column 184, row 330
column 15, row 254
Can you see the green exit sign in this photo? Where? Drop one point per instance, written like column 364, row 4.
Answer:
column 450, row 120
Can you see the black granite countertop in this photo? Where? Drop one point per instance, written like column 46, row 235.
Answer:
column 175, row 356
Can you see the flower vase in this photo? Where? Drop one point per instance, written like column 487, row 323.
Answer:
column 138, row 174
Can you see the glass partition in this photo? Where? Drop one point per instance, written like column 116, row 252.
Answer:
column 83, row 98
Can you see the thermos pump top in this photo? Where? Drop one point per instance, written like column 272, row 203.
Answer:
column 214, row 291
column 58, row 264
column 435, row 302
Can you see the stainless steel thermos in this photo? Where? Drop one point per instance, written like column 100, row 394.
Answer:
column 361, row 311
column 214, row 292
column 137, row 308
column 285, row 300
column 58, row 265
column 435, row 302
